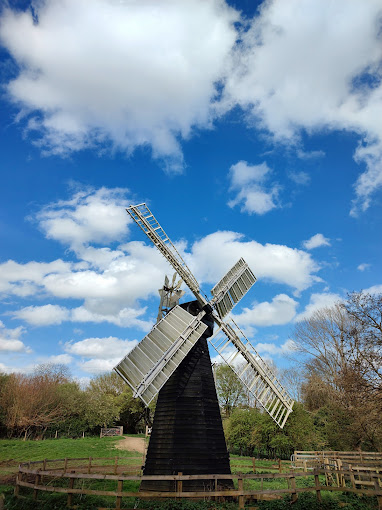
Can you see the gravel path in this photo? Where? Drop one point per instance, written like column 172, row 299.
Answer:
column 132, row 443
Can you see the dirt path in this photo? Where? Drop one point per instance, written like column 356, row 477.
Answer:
column 132, row 443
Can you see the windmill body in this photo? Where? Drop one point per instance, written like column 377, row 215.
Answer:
column 173, row 362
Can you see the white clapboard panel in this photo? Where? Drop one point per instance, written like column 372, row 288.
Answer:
column 150, row 364
column 232, row 287
column 237, row 351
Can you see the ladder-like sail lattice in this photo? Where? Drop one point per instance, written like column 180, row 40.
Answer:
column 145, row 219
column 232, row 287
column 150, row 364
column 237, row 351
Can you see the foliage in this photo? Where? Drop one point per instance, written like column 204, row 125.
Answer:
column 48, row 401
column 252, row 432
column 228, row 387
column 343, row 367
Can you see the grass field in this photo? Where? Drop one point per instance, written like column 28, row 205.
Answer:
column 12, row 452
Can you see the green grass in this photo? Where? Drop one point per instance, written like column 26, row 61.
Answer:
column 23, row 451
column 12, row 452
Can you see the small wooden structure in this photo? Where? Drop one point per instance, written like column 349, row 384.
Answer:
column 67, row 476
column 111, row 431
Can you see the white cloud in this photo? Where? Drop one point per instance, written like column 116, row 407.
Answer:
column 248, row 181
column 318, row 301
column 99, row 351
column 125, row 317
column 281, row 310
column 61, row 359
column 274, row 262
column 10, row 340
column 300, row 178
column 100, row 348
column 96, row 216
column 25, row 279
column 99, row 366
column 42, row 315
column 363, row 267
column 128, row 73
column 4, row 369
column 316, row 241
column 375, row 289
column 273, row 349
column 54, row 314
column 314, row 66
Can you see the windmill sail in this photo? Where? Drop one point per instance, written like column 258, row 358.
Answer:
column 237, row 351
column 232, row 287
column 150, row 364
column 145, row 219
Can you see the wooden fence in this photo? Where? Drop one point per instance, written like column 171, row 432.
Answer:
column 311, row 459
column 61, row 476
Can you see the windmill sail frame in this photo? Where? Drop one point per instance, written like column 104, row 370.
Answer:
column 149, row 365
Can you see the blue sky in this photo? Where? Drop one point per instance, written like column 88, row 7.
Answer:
column 250, row 130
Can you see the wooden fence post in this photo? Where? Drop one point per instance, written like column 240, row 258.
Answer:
column 377, row 490
column 280, row 468
column 65, row 464
column 116, row 466
column 352, row 479
column 317, row 485
column 17, row 487
column 336, row 471
column 240, row 487
column 254, row 464
column 179, row 484
column 118, row 502
column 293, row 485
column 36, row 482
column 70, row 494
column 326, row 467
column 341, row 475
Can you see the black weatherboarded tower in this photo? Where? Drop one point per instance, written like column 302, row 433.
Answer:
column 173, row 362
column 187, row 434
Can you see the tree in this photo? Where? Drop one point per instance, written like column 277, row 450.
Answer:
column 229, row 388
column 342, row 347
column 111, row 400
column 366, row 312
column 31, row 403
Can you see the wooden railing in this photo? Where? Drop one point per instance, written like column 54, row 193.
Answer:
column 40, row 476
column 311, row 459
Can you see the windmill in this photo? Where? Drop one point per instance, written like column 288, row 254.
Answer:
column 173, row 362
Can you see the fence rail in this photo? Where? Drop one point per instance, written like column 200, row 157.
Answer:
column 45, row 476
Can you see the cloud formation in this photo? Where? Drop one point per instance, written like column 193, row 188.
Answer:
column 95, row 353
column 125, row 73
column 89, row 216
column 273, row 262
column 252, row 192
column 280, row 310
column 317, row 301
column 316, row 241
column 10, row 340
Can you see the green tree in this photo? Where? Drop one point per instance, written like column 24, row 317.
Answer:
column 229, row 388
